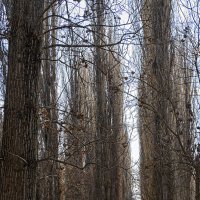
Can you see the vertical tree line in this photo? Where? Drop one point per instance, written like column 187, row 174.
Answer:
column 72, row 75
column 48, row 156
column 167, row 134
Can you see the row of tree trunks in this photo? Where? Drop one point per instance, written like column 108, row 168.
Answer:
column 165, row 110
column 28, row 170
column 112, row 150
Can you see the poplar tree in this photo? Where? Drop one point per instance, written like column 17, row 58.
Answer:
column 20, row 127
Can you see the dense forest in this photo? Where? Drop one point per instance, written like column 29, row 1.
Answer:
column 87, row 84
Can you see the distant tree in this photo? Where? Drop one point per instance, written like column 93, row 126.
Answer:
column 47, row 169
column 181, row 124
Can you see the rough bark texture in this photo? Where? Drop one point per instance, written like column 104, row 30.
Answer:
column 156, row 171
column 20, row 128
column 102, row 179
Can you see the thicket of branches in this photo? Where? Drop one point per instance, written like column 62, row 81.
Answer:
column 80, row 80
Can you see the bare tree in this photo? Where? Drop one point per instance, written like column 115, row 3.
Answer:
column 181, row 122
column 156, row 166
column 49, row 132
column 20, row 127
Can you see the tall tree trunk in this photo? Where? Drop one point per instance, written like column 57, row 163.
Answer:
column 102, row 153
column 119, row 153
column 20, row 127
column 181, row 123
column 48, row 168
column 156, row 174
column 116, row 110
column 75, row 176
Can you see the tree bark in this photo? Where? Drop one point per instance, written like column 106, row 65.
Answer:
column 102, row 153
column 20, row 127
column 156, row 174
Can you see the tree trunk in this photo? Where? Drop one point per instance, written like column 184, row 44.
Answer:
column 102, row 153
column 181, row 123
column 48, row 168
column 156, row 175
column 20, row 127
